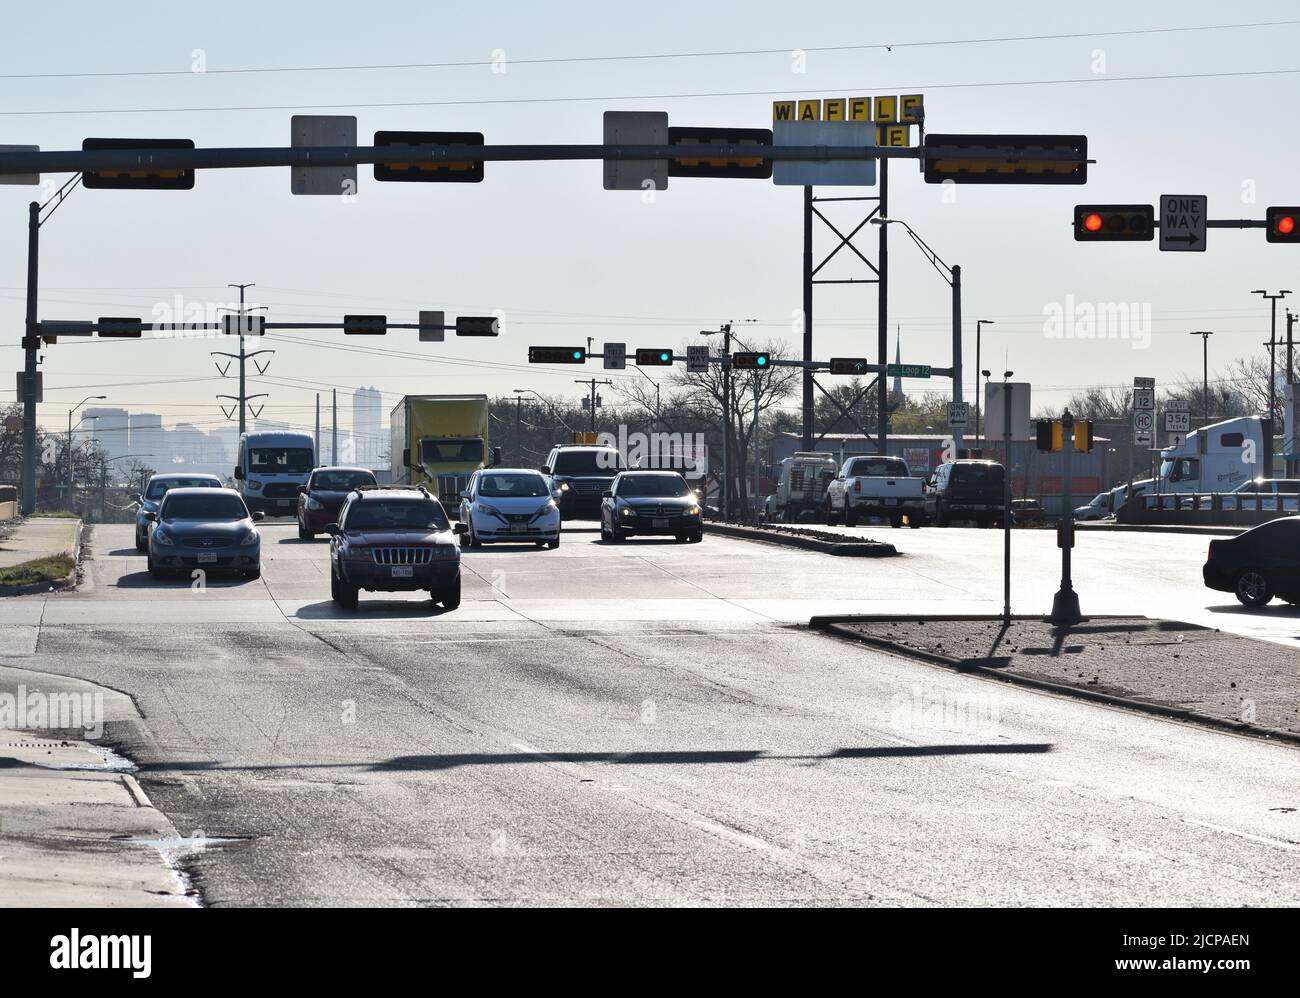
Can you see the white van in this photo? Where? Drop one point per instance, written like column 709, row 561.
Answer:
column 271, row 467
column 1218, row 457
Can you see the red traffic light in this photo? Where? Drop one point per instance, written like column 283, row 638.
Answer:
column 1281, row 225
column 1092, row 223
column 1100, row 223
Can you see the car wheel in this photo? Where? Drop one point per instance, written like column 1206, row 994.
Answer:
column 304, row 534
column 831, row 519
column 474, row 542
column 254, row 573
column 696, row 537
column 681, row 538
column 450, row 598
column 615, row 535
column 343, row 594
column 916, row 520
column 940, row 516
column 141, row 546
column 552, row 545
column 895, row 521
column 1252, row 588
column 154, row 571
column 850, row 517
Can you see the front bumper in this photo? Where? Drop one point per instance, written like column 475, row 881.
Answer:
column 490, row 529
column 276, row 506
column 573, row 501
column 235, row 558
column 650, row 526
column 380, row 578
column 317, row 519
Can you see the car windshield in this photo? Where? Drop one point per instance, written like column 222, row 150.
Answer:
column 219, row 506
column 340, row 481
column 652, row 485
column 504, row 485
column 451, row 451
column 977, row 474
column 280, row 460
column 397, row 514
column 587, row 462
column 159, row 486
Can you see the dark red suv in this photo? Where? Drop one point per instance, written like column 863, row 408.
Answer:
column 320, row 500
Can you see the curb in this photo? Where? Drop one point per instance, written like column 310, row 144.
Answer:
column 837, row 626
column 69, row 581
column 856, row 549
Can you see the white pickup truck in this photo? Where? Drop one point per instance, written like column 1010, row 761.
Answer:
column 875, row 486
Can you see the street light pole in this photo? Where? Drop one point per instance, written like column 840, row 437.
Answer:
column 979, row 323
column 1205, row 335
column 70, row 497
column 1272, row 349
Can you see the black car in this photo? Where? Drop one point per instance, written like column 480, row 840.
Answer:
column 582, row 474
column 966, row 490
column 648, row 503
column 393, row 540
column 1256, row 566
column 320, row 500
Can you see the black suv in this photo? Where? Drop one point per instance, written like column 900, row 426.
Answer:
column 582, row 474
column 966, row 490
column 393, row 540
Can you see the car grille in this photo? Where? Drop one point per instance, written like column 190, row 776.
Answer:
column 518, row 517
column 280, row 490
column 659, row 511
column 590, row 488
column 403, row 555
column 209, row 542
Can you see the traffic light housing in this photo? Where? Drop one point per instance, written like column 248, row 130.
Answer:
column 119, row 327
column 1283, row 225
column 476, row 325
column 1083, row 436
column 365, row 325
column 992, row 159
column 557, row 355
column 751, row 360
column 654, row 358
column 848, row 365
column 141, row 177
column 1110, row 223
column 426, row 172
column 1049, row 434
column 740, row 167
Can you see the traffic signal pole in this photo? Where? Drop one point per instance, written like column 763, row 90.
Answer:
column 1065, row 605
column 31, row 339
column 957, row 433
column 807, row 317
column 882, row 314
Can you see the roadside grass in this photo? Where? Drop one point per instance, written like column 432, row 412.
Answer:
column 59, row 514
column 38, row 570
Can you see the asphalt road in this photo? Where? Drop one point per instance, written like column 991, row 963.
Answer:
column 644, row 723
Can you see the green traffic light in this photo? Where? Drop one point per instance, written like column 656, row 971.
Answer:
column 665, row 357
column 577, row 355
column 762, row 359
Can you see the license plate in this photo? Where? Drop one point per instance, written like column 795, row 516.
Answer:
column 657, row 524
column 282, row 502
column 403, row 572
column 518, row 528
column 207, row 559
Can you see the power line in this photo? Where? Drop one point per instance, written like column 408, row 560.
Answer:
column 647, row 56
column 914, row 87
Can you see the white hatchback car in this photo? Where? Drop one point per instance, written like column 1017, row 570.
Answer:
column 510, row 505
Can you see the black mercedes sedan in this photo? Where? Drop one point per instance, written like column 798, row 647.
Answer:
column 650, row 502
column 1256, row 566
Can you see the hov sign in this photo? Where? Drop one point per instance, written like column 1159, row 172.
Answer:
column 1182, row 223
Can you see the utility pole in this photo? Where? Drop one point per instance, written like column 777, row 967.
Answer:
column 318, row 426
column 1205, row 335
column 243, row 356
column 956, row 350
column 882, row 314
column 30, row 343
column 593, row 383
column 1272, row 349
column 1006, row 492
column 519, row 437
column 334, row 433
column 1290, row 421
column 807, row 317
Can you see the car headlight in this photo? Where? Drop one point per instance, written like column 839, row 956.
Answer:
column 161, row 536
column 254, row 486
column 564, row 486
column 490, row 510
column 627, row 511
column 249, row 539
column 314, row 503
column 445, row 552
column 693, row 511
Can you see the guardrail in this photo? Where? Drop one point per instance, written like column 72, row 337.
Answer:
column 1218, row 509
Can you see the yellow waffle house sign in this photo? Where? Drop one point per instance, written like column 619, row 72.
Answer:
column 894, row 116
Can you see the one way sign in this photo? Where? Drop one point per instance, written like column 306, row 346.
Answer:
column 1182, row 223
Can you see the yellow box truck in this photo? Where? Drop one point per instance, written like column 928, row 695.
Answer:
column 439, row 441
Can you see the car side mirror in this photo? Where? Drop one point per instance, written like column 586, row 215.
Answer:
column 464, row 495
column 136, row 497
column 258, row 515
column 544, row 470
column 461, row 528
column 332, row 529
column 608, row 494
column 302, row 490
column 151, row 516
column 239, row 474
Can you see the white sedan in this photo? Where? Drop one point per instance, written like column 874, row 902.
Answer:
column 511, row 505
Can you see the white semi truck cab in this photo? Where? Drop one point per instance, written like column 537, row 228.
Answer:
column 1218, row 457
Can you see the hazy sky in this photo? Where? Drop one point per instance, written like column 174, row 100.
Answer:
column 565, row 259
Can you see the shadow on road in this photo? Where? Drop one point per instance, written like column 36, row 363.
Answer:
column 182, row 580
column 664, row 758
column 375, row 609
